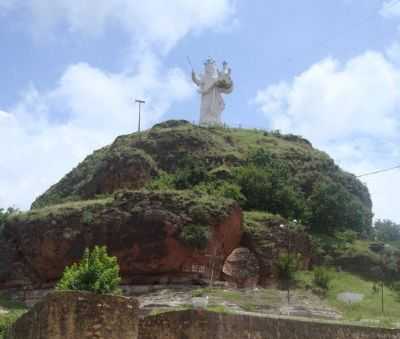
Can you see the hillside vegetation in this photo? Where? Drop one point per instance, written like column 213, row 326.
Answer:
column 269, row 172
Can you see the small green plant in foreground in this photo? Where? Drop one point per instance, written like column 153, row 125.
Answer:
column 287, row 266
column 97, row 272
column 322, row 278
column 13, row 312
column 6, row 322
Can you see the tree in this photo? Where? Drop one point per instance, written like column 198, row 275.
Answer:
column 267, row 185
column 386, row 230
column 97, row 272
column 332, row 208
column 4, row 214
column 287, row 265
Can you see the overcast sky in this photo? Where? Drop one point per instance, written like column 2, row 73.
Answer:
column 327, row 70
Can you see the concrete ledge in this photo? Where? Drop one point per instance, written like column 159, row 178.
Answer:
column 79, row 315
column 205, row 325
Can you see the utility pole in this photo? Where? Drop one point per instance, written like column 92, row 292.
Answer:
column 383, row 308
column 383, row 281
column 289, row 258
column 140, row 102
column 214, row 260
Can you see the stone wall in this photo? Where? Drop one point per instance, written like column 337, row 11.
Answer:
column 206, row 325
column 77, row 315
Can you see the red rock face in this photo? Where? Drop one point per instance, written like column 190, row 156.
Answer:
column 141, row 229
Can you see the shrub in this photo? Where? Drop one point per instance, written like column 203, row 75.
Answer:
column 97, row 272
column 230, row 191
column 287, row 266
column 4, row 214
column 396, row 287
column 387, row 230
column 348, row 236
column 191, row 171
column 322, row 278
column 162, row 183
column 331, row 208
column 5, row 323
column 267, row 189
column 222, row 189
column 195, row 235
column 87, row 217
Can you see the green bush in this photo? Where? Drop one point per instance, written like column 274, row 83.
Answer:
column 4, row 214
column 222, row 189
column 230, row 191
column 331, row 208
column 387, row 230
column 97, row 272
column 190, row 173
column 287, row 266
column 162, row 183
column 348, row 236
column 396, row 289
column 268, row 189
column 195, row 236
column 87, row 217
column 322, row 278
column 14, row 311
column 7, row 321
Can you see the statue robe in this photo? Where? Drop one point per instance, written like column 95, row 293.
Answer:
column 212, row 103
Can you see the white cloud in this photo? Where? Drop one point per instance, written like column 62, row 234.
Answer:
column 350, row 110
column 157, row 22
column 390, row 9
column 48, row 132
column 360, row 97
column 93, row 108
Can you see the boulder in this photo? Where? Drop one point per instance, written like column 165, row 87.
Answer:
column 156, row 236
column 241, row 268
column 377, row 247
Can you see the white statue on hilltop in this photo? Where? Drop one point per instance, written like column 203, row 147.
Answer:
column 211, row 86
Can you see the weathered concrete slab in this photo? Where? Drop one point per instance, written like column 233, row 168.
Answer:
column 79, row 315
column 206, row 325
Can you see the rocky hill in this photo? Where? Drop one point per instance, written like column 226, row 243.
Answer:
column 169, row 203
column 185, row 156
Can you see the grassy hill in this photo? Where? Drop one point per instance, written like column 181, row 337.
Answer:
column 269, row 172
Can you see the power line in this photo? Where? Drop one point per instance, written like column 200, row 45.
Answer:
column 379, row 171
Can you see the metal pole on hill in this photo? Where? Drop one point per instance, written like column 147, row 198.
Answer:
column 383, row 308
column 382, row 283
column 289, row 254
column 214, row 260
column 140, row 102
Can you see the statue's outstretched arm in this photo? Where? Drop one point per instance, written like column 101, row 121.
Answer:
column 195, row 79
